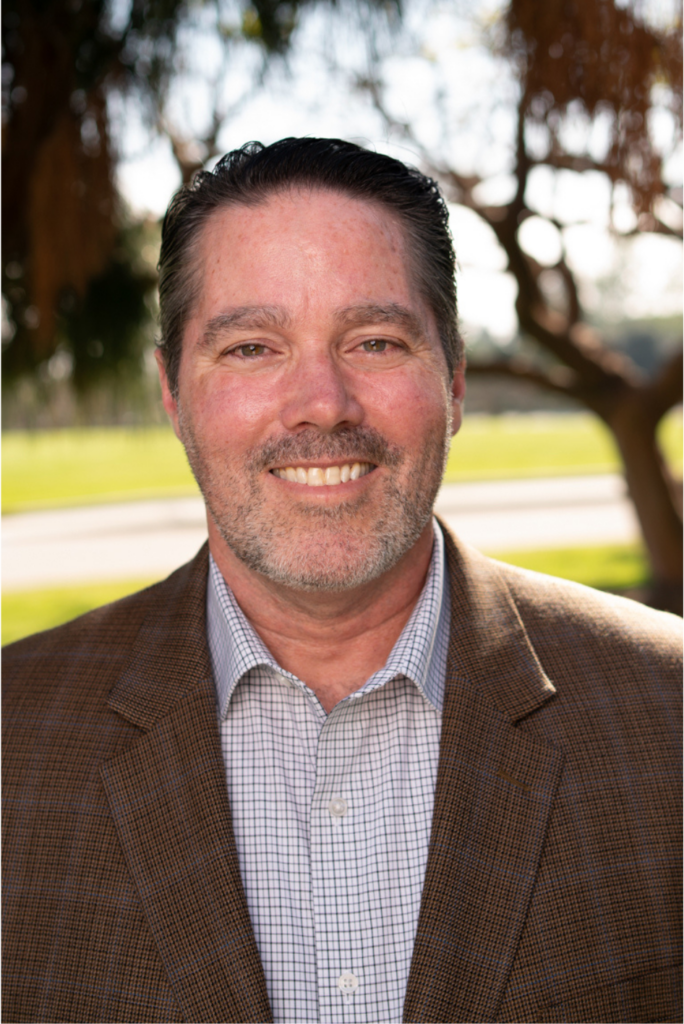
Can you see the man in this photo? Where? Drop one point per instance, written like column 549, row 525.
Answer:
column 339, row 767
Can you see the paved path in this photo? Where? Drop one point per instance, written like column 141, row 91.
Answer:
column 148, row 539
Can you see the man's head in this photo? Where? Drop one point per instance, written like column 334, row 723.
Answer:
column 310, row 384
column 251, row 174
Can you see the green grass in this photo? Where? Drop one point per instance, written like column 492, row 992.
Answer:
column 611, row 567
column 47, row 469
column 503, row 447
column 74, row 467
column 615, row 567
column 29, row 611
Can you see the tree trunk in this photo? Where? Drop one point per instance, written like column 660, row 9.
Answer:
column 655, row 495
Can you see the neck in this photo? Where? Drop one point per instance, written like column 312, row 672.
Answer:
column 332, row 640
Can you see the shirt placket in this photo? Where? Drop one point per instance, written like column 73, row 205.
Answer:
column 334, row 884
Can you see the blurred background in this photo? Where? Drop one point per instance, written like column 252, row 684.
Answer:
column 555, row 131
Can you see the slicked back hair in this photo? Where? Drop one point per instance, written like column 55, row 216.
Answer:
column 252, row 174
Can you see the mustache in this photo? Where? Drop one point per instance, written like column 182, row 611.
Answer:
column 349, row 444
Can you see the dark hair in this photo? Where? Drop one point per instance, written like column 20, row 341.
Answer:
column 251, row 174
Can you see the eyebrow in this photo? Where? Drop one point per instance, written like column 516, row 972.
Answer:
column 377, row 313
column 359, row 315
column 244, row 318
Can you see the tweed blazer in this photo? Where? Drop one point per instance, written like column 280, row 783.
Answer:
column 552, row 883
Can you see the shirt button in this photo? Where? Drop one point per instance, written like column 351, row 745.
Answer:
column 338, row 808
column 348, row 984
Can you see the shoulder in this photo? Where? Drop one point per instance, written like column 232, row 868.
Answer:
column 570, row 616
column 595, row 649
column 87, row 655
column 55, row 684
column 615, row 664
column 104, row 632
column 561, row 616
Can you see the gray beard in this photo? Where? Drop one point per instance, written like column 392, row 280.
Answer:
column 314, row 547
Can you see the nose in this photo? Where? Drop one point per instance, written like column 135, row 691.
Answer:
column 320, row 394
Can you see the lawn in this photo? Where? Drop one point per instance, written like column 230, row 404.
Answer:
column 74, row 467
column 46, row 469
column 612, row 567
column 542, row 444
column 29, row 611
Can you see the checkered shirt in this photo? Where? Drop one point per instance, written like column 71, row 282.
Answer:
column 332, row 813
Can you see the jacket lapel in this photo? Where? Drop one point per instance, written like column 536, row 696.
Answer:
column 168, row 797
column 495, row 789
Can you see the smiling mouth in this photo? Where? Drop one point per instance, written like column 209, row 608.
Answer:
column 330, row 476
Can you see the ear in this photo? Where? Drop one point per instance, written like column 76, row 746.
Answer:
column 170, row 403
column 458, row 390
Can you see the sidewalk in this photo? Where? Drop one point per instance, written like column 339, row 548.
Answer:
column 148, row 539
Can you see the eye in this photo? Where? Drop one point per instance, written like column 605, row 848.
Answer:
column 250, row 350
column 374, row 345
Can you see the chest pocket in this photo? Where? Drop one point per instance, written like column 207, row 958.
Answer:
column 651, row 998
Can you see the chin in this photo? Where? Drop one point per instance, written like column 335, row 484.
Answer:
column 325, row 560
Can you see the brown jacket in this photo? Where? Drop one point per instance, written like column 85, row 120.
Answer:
column 552, row 885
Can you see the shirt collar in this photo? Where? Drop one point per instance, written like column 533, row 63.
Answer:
column 419, row 653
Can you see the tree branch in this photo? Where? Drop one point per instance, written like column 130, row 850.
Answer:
column 461, row 184
column 574, row 307
column 579, row 347
column 665, row 390
column 558, row 160
column 559, row 379
column 650, row 223
column 522, row 162
column 599, row 373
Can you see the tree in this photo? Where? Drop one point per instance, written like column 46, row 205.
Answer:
column 597, row 59
column 68, row 266
column 68, row 258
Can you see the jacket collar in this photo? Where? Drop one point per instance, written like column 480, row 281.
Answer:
column 490, row 648
column 489, row 645
column 170, row 657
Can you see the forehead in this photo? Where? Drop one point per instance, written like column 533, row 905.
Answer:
column 293, row 240
column 296, row 209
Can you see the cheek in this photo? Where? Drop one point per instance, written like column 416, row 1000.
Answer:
column 407, row 409
column 235, row 411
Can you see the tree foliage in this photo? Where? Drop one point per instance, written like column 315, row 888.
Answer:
column 604, row 57
column 64, row 227
column 61, row 221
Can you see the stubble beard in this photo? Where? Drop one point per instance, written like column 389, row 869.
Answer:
column 314, row 547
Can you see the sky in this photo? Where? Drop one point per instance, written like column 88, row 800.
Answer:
column 436, row 72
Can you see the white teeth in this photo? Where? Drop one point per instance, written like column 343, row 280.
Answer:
column 316, row 477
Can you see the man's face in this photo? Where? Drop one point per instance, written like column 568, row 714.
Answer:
column 313, row 400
